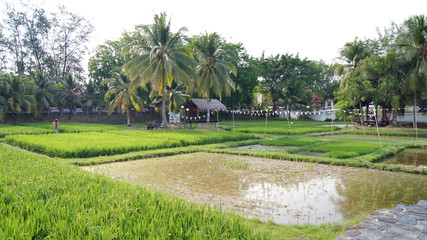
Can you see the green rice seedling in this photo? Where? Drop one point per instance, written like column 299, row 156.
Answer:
column 45, row 198
column 6, row 129
column 67, row 127
column 82, row 145
column 345, row 149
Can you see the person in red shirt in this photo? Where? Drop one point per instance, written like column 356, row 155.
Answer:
column 56, row 124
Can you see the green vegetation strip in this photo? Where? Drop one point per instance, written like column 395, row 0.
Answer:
column 278, row 127
column 67, row 127
column 388, row 131
column 13, row 130
column 81, row 145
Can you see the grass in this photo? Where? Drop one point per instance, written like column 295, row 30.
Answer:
column 44, row 198
column 388, row 131
column 68, row 127
column 6, row 129
column 278, row 127
column 346, row 149
column 81, row 145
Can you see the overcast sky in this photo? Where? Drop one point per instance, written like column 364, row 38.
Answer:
column 315, row 29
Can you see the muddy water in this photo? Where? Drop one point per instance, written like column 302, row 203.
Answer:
column 414, row 157
column 282, row 191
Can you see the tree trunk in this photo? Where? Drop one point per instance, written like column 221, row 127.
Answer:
column 361, row 113
column 208, row 114
column 164, row 119
column 414, row 121
column 394, row 118
column 128, row 117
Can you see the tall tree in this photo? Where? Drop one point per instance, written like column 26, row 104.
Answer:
column 161, row 60
column 214, row 66
column 70, row 33
column 351, row 80
column 123, row 94
column 246, row 79
column 412, row 41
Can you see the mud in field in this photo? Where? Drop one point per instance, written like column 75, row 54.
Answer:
column 282, row 191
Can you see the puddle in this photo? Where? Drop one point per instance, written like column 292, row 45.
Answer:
column 263, row 148
column 282, row 191
column 412, row 156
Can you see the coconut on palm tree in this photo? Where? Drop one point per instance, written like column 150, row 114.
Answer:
column 124, row 95
column 214, row 66
column 161, row 60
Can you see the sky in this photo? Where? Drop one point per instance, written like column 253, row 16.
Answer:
column 313, row 29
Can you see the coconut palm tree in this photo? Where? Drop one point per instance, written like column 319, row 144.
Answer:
column 124, row 95
column 44, row 92
column 70, row 92
column 16, row 95
column 412, row 43
column 162, row 59
column 351, row 54
column 214, row 65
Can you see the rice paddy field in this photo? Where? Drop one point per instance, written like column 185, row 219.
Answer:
column 178, row 184
column 278, row 127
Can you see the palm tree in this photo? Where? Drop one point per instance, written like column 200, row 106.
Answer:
column 214, row 65
column 161, row 60
column 44, row 92
column 175, row 96
column 412, row 41
column 352, row 54
column 124, row 95
column 70, row 91
column 16, row 95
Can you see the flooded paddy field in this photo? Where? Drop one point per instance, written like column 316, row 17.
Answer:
column 282, row 191
column 411, row 156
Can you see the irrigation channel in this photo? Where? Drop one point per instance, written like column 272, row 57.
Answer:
column 285, row 192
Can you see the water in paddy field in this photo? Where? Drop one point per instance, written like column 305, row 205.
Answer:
column 414, row 157
column 282, row 191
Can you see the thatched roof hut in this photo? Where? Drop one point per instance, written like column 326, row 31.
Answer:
column 214, row 104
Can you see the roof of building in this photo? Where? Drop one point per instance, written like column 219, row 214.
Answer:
column 214, row 104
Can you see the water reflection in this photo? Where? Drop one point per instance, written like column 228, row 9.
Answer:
column 414, row 157
column 283, row 191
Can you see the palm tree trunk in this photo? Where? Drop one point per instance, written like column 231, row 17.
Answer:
column 208, row 116
column 164, row 119
column 128, row 117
